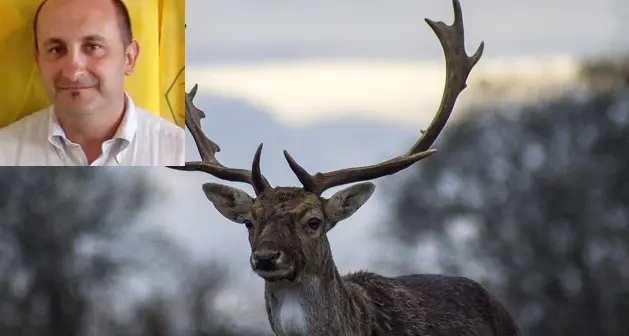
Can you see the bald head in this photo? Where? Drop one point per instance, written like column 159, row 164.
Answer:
column 84, row 50
column 119, row 10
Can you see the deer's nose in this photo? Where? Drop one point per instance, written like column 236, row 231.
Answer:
column 265, row 259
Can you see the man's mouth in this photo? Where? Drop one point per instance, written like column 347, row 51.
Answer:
column 75, row 88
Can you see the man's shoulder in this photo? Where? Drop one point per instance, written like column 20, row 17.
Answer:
column 156, row 124
column 19, row 140
column 162, row 135
column 25, row 125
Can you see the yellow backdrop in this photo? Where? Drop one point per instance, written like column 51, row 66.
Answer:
column 157, row 84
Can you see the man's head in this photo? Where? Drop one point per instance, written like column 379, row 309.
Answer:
column 84, row 49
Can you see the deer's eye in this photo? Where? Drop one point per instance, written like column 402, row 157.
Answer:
column 314, row 223
column 248, row 224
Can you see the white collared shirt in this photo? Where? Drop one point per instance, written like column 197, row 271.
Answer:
column 143, row 139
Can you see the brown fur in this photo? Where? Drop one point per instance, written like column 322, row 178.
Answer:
column 360, row 303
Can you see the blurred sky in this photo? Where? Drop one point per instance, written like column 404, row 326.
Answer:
column 307, row 61
column 247, row 30
column 300, row 73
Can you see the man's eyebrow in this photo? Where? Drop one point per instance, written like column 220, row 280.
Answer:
column 94, row 38
column 89, row 38
column 52, row 41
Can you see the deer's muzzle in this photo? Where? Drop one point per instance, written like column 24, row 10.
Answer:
column 272, row 264
column 265, row 259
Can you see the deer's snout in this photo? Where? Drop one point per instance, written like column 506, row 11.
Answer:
column 265, row 259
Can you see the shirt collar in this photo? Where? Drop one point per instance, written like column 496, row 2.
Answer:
column 125, row 132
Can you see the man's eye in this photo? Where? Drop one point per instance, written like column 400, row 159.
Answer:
column 93, row 47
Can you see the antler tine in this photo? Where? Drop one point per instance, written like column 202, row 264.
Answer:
column 208, row 149
column 321, row 182
column 458, row 67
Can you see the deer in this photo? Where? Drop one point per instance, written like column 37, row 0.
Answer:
column 304, row 292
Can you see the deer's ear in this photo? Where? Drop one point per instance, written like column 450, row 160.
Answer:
column 345, row 202
column 232, row 203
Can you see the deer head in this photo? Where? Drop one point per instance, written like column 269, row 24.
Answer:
column 288, row 225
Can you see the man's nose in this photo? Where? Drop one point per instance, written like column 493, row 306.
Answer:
column 74, row 65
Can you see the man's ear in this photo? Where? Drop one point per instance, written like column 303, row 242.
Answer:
column 232, row 203
column 132, row 51
column 345, row 202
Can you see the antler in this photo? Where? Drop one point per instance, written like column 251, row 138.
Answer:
column 458, row 67
column 208, row 149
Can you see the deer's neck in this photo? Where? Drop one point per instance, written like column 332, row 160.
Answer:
column 318, row 305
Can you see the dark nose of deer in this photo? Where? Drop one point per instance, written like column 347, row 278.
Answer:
column 265, row 259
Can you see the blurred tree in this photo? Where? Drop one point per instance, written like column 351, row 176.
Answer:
column 200, row 288
column 153, row 317
column 69, row 248
column 57, row 225
column 188, row 311
column 605, row 74
column 535, row 205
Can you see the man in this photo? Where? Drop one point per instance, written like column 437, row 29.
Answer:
column 84, row 49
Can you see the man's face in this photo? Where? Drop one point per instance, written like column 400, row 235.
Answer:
column 81, row 56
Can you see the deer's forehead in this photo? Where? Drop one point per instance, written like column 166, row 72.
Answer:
column 295, row 202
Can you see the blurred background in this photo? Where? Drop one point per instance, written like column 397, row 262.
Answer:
column 529, row 193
